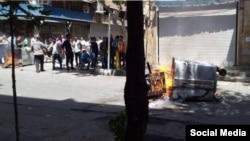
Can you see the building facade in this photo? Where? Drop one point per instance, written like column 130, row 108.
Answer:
column 79, row 18
column 243, row 46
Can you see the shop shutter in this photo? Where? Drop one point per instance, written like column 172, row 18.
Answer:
column 204, row 33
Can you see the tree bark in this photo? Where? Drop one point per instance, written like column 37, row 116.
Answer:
column 136, row 88
column 11, row 20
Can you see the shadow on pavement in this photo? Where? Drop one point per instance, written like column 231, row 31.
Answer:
column 50, row 120
column 66, row 120
column 160, row 138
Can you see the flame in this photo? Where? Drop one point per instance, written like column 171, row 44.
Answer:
column 168, row 74
column 161, row 81
column 157, row 81
column 8, row 58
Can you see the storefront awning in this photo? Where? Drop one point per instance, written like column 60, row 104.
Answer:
column 58, row 13
column 55, row 13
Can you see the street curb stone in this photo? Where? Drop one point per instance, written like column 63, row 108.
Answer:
column 111, row 72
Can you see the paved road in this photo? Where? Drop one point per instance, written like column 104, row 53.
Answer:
column 77, row 105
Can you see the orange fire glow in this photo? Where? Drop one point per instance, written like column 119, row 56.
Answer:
column 161, row 82
column 8, row 58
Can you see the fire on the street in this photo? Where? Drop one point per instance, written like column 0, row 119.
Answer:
column 8, row 57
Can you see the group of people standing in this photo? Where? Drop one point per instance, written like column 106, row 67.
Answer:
column 80, row 51
column 57, row 48
column 117, row 52
column 97, row 49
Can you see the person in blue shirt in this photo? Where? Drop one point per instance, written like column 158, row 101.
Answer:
column 85, row 59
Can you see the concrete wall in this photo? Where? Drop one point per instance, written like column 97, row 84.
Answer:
column 243, row 52
column 151, row 34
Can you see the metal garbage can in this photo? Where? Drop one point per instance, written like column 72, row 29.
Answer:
column 27, row 56
column 2, row 52
column 193, row 80
column 23, row 56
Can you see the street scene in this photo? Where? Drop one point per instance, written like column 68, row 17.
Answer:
column 72, row 59
column 77, row 105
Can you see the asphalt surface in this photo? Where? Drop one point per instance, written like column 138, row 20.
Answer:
column 77, row 105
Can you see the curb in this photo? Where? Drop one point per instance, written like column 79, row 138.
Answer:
column 234, row 79
column 110, row 72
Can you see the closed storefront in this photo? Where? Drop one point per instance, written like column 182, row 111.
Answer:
column 101, row 30
column 80, row 29
column 52, row 29
column 202, row 33
column 57, row 28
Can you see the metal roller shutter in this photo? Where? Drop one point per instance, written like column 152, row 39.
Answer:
column 97, row 29
column 204, row 33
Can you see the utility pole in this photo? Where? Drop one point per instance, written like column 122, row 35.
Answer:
column 109, row 40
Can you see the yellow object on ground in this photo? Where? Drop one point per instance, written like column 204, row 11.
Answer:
column 168, row 77
column 117, row 60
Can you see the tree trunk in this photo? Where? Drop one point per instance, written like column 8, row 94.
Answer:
column 136, row 87
column 11, row 19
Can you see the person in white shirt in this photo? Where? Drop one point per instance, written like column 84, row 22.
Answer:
column 83, row 43
column 99, row 41
column 87, row 44
column 33, row 39
column 14, row 41
column 4, row 40
column 62, row 38
column 77, row 49
column 56, row 53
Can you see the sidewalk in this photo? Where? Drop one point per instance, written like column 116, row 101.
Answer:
column 237, row 74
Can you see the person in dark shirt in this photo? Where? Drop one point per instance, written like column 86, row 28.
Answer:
column 67, row 48
column 112, row 53
column 94, row 51
column 104, row 52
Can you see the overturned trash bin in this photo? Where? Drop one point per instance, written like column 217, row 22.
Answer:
column 193, row 80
